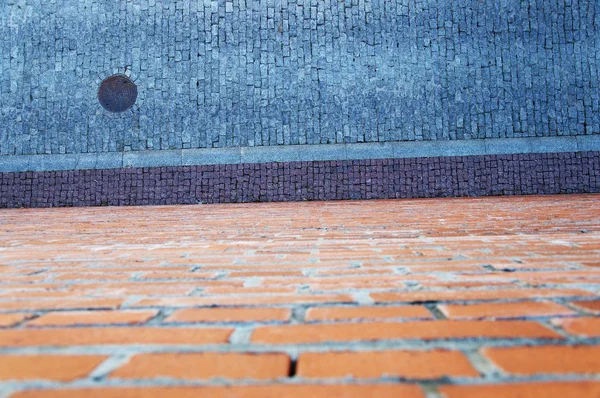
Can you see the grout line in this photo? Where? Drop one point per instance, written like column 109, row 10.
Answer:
column 241, row 335
column 109, row 365
column 254, row 281
column 159, row 317
column 578, row 310
column 298, row 315
column 362, row 297
column 6, row 392
column 435, row 311
column 430, row 390
column 484, row 366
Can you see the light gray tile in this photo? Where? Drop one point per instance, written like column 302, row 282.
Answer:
column 58, row 162
column 588, row 143
column 270, row 154
column 506, row 146
column 109, row 160
column 152, row 158
column 211, row 156
column 307, row 153
column 15, row 163
column 383, row 150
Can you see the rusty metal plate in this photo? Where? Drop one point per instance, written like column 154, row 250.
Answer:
column 117, row 93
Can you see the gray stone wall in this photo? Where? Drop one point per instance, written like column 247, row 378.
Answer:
column 276, row 72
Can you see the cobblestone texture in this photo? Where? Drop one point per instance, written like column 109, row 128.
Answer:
column 273, row 72
column 220, row 301
column 297, row 181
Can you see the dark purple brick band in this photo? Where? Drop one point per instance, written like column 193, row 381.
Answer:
column 297, row 181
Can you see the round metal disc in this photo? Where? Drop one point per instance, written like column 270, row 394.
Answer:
column 117, row 93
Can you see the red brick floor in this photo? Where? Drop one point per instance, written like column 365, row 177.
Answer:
column 485, row 297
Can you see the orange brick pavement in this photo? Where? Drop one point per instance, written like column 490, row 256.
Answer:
column 436, row 298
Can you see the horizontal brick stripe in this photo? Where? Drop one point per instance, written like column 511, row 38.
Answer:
column 423, row 330
column 47, row 367
column 525, row 390
column 206, row 366
column 548, row 173
column 546, row 359
column 409, row 364
column 96, row 336
column 268, row 391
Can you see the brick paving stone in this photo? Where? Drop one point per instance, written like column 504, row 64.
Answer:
column 593, row 306
column 504, row 310
column 266, row 366
column 92, row 317
column 408, row 364
column 245, row 300
column 268, row 391
column 11, row 319
column 589, row 327
column 587, row 389
column 79, row 303
column 230, row 315
column 458, row 295
column 364, row 312
column 121, row 336
column 545, row 359
column 424, row 330
column 47, row 367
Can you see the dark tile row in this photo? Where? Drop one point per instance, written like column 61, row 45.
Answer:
column 524, row 174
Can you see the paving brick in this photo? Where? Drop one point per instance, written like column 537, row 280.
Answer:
column 366, row 312
column 240, row 274
column 546, row 359
column 454, row 285
column 425, row 330
column 206, row 366
column 179, row 275
column 249, row 300
column 269, row 391
column 587, row 389
column 230, row 315
column 407, row 364
column 48, row 367
column 348, row 281
column 593, row 306
column 96, row 336
column 589, row 327
column 12, row 319
column 504, row 310
column 92, row 317
column 538, row 275
column 247, row 290
column 356, row 272
column 55, row 304
column 102, row 276
column 496, row 294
